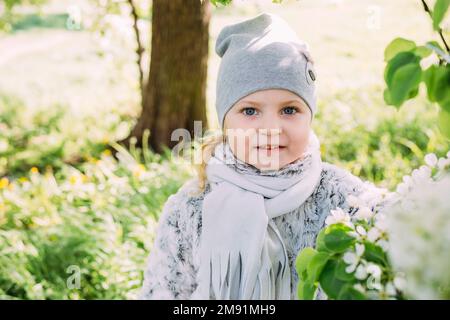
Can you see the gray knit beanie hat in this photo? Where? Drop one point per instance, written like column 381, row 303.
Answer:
column 262, row 53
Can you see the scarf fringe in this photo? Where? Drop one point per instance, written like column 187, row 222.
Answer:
column 230, row 281
column 223, row 280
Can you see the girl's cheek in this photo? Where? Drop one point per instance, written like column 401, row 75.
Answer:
column 302, row 143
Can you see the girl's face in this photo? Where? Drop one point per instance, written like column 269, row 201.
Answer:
column 269, row 128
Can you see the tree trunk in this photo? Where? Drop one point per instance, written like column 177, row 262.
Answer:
column 175, row 94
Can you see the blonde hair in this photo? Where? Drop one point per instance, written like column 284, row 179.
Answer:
column 206, row 149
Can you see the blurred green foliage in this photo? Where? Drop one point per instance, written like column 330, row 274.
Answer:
column 48, row 136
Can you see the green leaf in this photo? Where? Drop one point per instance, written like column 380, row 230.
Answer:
column 401, row 59
column 444, row 123
column 405, row 83
column 396, row 46
column 422, row 51
column 445, row 103
column 337, row 239
column 430, row 77
column 413, row 93
column 374, row 253
column 316, row 265
column 320, row 242
column 330, row 284
column 302, row 261
column 306, row 290
column 439, row 11
column 442, row 88
column 437, row 80
column 350, row 293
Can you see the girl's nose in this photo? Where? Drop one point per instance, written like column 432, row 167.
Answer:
column 270, row 126
column 269, row 131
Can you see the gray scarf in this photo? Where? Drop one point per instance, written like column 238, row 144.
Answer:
column 242, row 255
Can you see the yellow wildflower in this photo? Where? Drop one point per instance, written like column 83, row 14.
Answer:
column 4, row 182
column 73, row 179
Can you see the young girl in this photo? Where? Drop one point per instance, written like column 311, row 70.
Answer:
column 262, row 193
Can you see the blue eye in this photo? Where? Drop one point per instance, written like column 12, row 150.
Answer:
column 251, row 113
column 292, row 110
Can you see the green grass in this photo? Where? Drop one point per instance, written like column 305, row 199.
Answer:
column 95, row 223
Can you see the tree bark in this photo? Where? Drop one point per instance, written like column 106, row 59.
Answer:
column 175, row 94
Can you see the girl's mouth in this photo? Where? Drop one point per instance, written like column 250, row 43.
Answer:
column 270, row 148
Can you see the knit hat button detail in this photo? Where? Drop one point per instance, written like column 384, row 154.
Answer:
column 310, row 75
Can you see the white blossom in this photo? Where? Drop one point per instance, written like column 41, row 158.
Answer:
column 364, row 213
column 373, row 234
column 353, row 201
column 402, row 188
column 419, row 231
column 442, row 163
column 431, row 159
column 350, row 257
column 380, row 222
column 373, row 283
column 374, row 270
column 361, row 230
column 338, row 216
column 359, row 249
column 352, row 260
column 407, row 179
column 361, row 272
